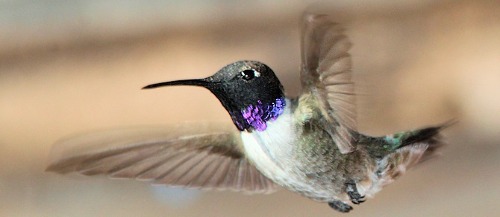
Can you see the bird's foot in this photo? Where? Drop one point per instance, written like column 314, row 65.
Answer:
column 353, row 193
column 340, row 206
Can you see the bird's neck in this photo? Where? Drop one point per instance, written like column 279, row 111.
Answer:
column 255, row 116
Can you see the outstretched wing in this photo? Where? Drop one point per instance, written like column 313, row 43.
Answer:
column 205, row 156
column 326, row 75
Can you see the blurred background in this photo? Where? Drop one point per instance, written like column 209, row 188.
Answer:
column 68, row 67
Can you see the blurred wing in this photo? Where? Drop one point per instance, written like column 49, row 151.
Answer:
column 326, row 75
column 205, row 156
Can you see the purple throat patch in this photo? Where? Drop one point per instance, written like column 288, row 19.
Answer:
column 257, row 115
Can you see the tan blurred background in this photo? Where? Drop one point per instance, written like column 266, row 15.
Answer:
column 73, row 66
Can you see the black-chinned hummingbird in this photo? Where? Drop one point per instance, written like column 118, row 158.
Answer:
column 306, row 144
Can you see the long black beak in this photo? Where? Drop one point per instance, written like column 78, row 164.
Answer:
column 189, row 82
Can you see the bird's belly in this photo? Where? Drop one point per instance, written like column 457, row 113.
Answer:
column 264, row 159
column 271, row 150
column 273, row 153
column 281, row 168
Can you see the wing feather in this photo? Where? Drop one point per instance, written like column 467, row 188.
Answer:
column 326, row 75
column 201, row 156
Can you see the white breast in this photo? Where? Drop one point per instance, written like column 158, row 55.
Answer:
column 271, row 150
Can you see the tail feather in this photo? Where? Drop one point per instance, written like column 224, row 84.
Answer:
column 409, row 149
column 429, row 137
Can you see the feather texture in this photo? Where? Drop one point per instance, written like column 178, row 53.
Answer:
column 209, row 158
column 326, row 75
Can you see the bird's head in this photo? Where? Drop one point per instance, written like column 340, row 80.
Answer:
column 248, row 90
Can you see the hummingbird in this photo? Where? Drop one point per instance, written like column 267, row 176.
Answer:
column 308, row 144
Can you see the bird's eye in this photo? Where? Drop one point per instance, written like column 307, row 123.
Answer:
column 249, row 74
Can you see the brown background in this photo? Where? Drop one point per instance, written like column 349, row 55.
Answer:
column 72, row 67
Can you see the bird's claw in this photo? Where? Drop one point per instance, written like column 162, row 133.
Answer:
column 340, row 206
column 353, row 193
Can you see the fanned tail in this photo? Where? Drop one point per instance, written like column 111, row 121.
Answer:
column 409, row 149
column 429, row 137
